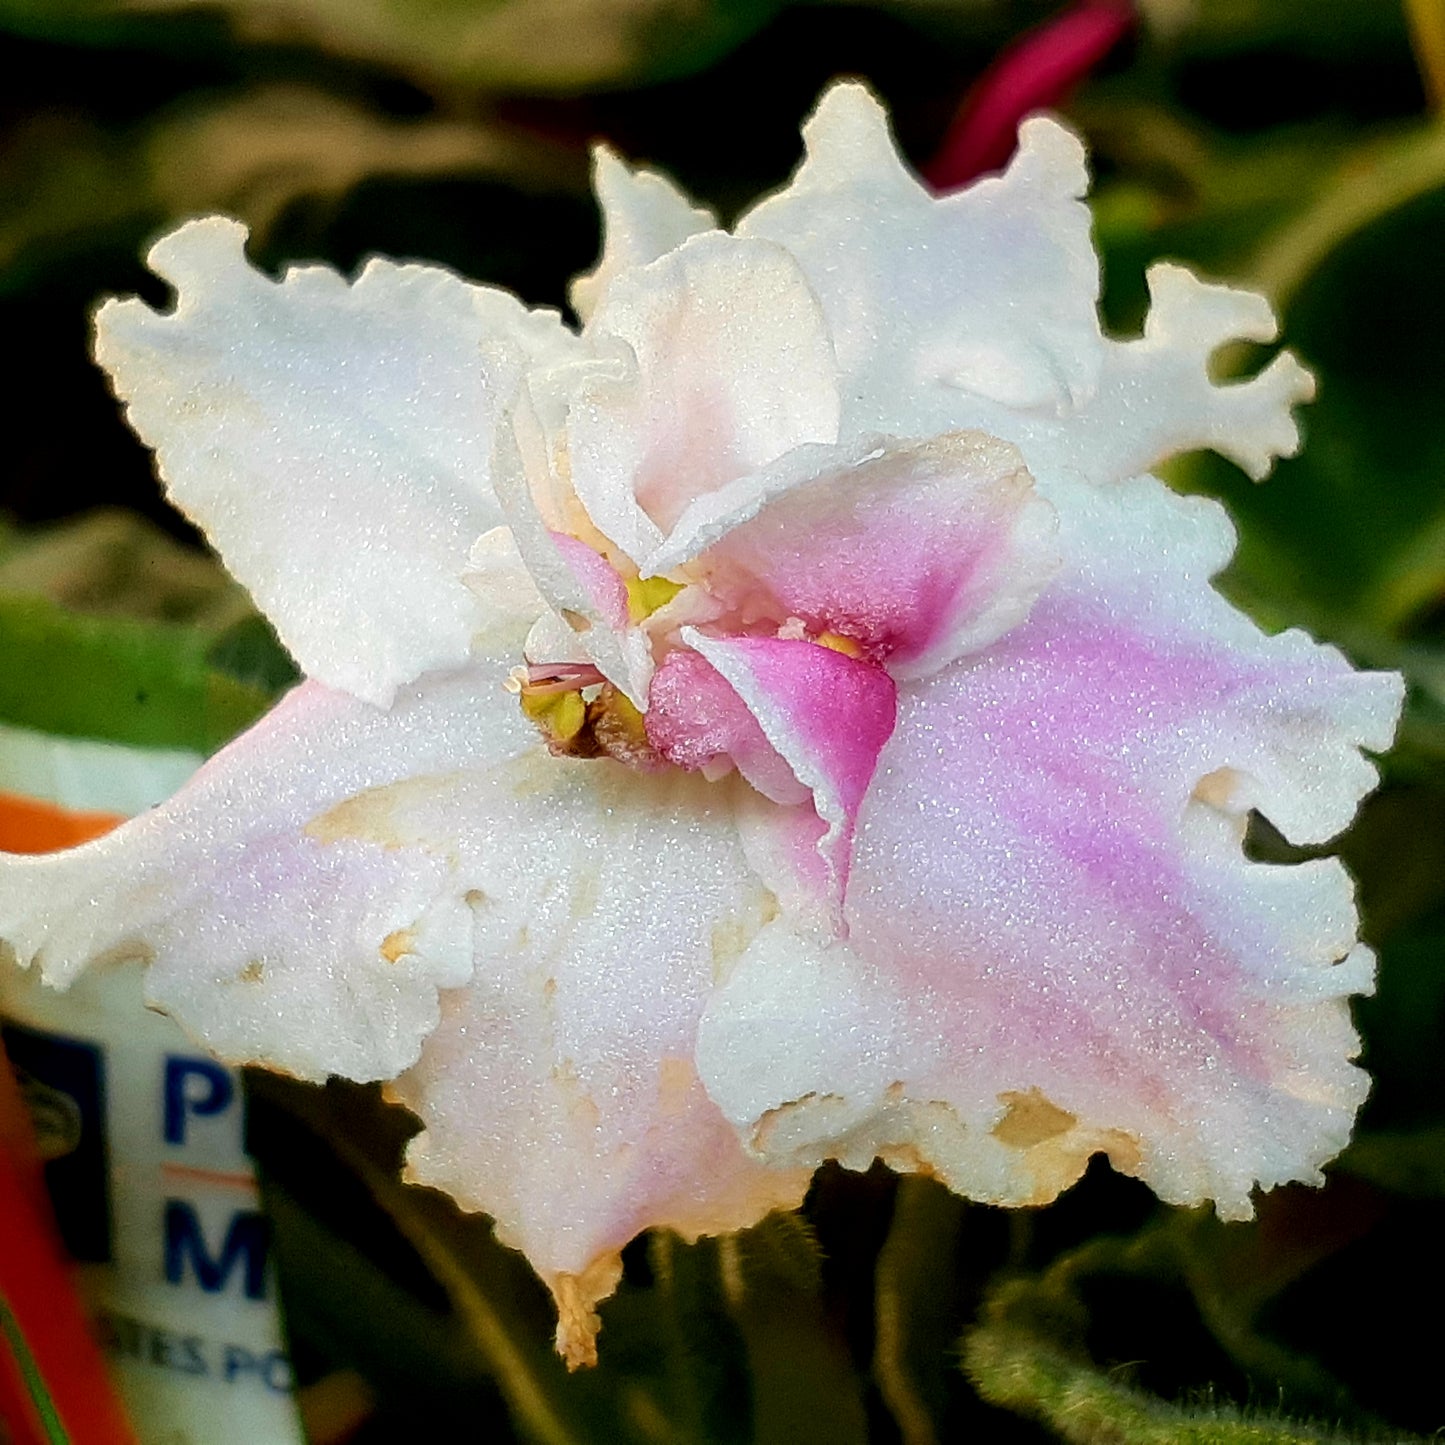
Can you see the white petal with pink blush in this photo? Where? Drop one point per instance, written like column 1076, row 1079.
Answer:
column 779, row 721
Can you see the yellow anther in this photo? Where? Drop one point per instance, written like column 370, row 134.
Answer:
column 618, row 723
column 559, row 714
column 836, row 642
column 645, row 595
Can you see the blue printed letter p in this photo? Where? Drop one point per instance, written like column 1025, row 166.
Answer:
column 193, row 1086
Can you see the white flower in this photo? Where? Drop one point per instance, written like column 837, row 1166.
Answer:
column 782, row 722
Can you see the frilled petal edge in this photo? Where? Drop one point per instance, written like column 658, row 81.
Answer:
column 269, row 937
column 724, row 364
column 1056, row 944
column 559, row 1092
column 329, row 436
column 978, row 311
column 644, row 216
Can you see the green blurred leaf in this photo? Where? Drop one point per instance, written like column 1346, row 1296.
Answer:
column 1020, row 1368
column 1402, row 1024
column 1349, row 537
column 1403, row 1161
column 107, row 629
column 707, row 1393
column 1176, row 187
column 111, row 563
column 68, row 183
column 1396, row 851
column 143, row 683
column 1346, row 28
column 805, row 1387
column 1235, row 1272
column 253, row 153
column 518, row 45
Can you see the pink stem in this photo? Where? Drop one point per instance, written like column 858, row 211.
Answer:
column 1036, row 72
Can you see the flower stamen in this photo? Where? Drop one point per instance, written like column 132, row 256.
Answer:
column 837, row 642
column 554, row 696
column 646, row 595
column 546, row 679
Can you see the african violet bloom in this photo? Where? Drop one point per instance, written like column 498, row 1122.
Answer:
column 782, row 722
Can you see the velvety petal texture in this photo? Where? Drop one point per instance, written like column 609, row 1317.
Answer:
column 781, row 721
column 987, row 295
column 332, row 438
column 258, row 928
column 644, row 216
column 977, row 311
column 827, row 716
column 725, row 364
column 1055, row 943
column 916, row 552
column 600, row 926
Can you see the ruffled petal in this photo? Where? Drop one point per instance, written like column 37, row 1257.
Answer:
column 331, row 437
column 585, row 606
column 917, row 551
column 721, row 364
column 826, row 714
column 977, row 311
column 987, row 294
column 1056, row 944
column 559, row 1092
column 1202, row 700
column 1156, row 398
column 1201, row 1040
column 644, row 216
column 271, row 938
column 697, row 720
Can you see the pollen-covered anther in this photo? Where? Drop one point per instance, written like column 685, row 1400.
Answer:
column 837, row 642
column 573, row 725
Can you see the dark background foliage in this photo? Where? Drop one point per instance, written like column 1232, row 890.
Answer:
column 1284, row 143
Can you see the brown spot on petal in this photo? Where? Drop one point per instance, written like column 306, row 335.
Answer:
column 1217, row 789
column 777, row 1117
column 582, row 1104
column 907, row 1158
column 253, row 972
column 1030, row 1120
column 577, row 1296
column 576, row 621
column 396, row 945
column 729, row 938
column 1056, row 1161
column 1122, row 1149
column 382, row 815
column 583, row 902
column 368, row 815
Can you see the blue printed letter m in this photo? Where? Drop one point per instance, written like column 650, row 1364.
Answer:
column 244, row 1247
